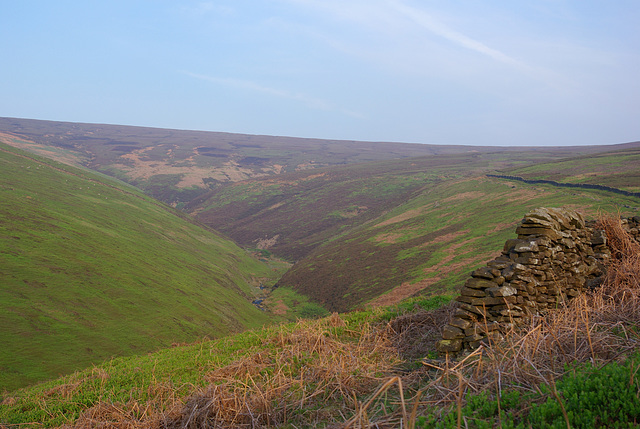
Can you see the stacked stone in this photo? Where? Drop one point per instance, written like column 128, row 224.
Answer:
column 553, row 259
column 632, row 226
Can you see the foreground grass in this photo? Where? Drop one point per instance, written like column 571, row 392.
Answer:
column 92, row 268
column 292, row 371
column 431, row 242
column 575, row 367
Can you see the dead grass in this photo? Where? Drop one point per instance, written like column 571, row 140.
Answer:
column 322, row 373
column 599, row 327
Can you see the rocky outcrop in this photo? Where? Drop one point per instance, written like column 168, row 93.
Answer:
column 555, row 257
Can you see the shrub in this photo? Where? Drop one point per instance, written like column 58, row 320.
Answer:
column 593, row 397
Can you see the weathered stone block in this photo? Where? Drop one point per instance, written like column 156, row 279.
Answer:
column 501, row 291
column 451, row 333
column 510, row 245
column 598, row 238
column 476, row 293
column 489, row 301
column 474, row 337
column 464, row 314
column 460, row 323
column 484, row 273
column 473, row 309
column 528, row 260
column 465, row 299
column 499, row 263
column 526, row 246
column 524, row 232
column 449, row 346
column 475, row 283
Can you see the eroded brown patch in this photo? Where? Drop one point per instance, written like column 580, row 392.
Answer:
column 389, row 238
column 464, row 196
column 65, row 157
column 267, row 243
column 406, row 289
column 138, row 167
column 409, row 214
column 278, row 307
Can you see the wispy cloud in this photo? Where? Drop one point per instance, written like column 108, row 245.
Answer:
column 311, row 102
column 408, row 28
column 427, row 21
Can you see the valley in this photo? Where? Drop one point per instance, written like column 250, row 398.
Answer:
column 116, row 242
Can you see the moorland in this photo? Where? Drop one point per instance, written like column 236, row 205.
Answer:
column 121, row 241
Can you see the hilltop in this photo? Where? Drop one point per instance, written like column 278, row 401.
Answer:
column 176, row 166
column 92, row 268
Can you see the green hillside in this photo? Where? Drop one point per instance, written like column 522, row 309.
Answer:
column 293, row 213
column 431, row 243
column 397, row 228
column 617, row 169
column 176, row 166
column 91, row 268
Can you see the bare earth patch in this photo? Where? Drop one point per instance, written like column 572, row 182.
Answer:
column 192, row 175
column 267, row 243
column 389, row 238
column 278, row 307
column 409, row 214
column 60, row 155
column 406, row 289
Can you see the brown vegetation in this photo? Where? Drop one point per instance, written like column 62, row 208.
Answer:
column 308, row 375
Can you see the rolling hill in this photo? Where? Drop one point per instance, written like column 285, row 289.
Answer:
column 92, row 268
column 378, row 233
column 176, row 166
column 91, row 260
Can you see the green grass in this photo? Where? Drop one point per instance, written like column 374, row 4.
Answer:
column 156, row 380
column 287, row 357
column 592, row 397
column 91, row 269
column 615, row 169
column 294, row 305
column 438, row 237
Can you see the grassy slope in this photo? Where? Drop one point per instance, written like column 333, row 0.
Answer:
column 294, row 213
column 92, row 269
column 431, row 243
column 618, row 169
column 336, row 350
column 416, row 226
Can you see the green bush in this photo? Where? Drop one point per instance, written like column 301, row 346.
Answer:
column 592, row 398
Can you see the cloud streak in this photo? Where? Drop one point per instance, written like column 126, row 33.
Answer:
column 425, row 20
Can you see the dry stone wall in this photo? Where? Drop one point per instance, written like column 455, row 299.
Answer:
column 556, row 256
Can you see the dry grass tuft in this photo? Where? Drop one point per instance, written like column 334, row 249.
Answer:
column 598, row 327
column 323, row 373
column 416, row 333
column 291, row 381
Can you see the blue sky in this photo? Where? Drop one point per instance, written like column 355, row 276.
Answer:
column 538, row 72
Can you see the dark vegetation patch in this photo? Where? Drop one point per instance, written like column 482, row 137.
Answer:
column 254, row 160
column 124, row 148
column 215, row 155
column 353, row 270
